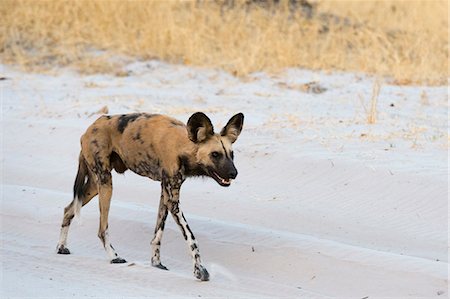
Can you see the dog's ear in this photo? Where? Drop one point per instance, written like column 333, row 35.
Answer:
column 199, row 127
column 233, row 127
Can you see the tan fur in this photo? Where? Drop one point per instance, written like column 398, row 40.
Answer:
column 161, row 148
column 159, row 137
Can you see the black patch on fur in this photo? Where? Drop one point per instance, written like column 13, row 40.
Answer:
column 94, row 143
column 190, row 169
column 188, row 228
column 137, row 136
column 102, row 238
column 177, row 219
column 162, row 219
column 124, row 119
column 94, row 130
column 67, row 220
column 184, row 162
column 104, row 175
column 98, row 162
column 163, row 222
column 80, row 186
column 156, row 161
column 108, row 117
column 225, row 151
column 117, row 163
column 177, row 180
column 148, row 167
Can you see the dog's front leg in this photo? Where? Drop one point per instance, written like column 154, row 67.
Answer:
column 171, row 187
column 200, row 272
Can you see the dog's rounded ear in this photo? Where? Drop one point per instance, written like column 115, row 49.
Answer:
column 199, row 127
column 233, row 127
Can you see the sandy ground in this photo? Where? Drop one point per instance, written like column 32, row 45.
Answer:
column 325, row 205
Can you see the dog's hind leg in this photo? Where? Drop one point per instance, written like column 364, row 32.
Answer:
column 69, row 213
column 105, row 193
column 83, row 193
column 159, row 229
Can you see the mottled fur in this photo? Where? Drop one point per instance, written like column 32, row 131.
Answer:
column 155, row 146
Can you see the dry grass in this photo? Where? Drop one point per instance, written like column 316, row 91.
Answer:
column 407, row 40
column 372, row 115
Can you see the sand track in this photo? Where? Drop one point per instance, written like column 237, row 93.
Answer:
column 301, row 220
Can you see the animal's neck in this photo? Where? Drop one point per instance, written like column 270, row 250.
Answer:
column 189, row 164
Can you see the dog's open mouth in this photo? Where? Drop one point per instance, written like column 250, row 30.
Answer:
column 222, row 182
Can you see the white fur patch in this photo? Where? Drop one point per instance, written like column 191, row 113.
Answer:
column 63, row 236
column 77, row 207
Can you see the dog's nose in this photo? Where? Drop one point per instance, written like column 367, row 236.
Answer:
column 233, row 174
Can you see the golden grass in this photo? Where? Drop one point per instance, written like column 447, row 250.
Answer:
column 372, row 115
column 406, row 40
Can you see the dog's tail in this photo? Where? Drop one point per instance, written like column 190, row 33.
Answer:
column 80, row 185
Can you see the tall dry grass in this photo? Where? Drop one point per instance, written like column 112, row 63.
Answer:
column 407, row 40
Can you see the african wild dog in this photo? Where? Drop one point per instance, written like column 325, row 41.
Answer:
column 158, row 147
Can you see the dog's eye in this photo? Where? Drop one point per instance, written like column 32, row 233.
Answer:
column 215, row 154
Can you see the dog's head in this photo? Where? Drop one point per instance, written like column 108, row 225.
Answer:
column 215, row 155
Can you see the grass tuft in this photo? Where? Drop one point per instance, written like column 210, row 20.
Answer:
column 372, row 115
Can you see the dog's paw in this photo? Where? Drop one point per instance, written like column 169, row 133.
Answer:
column 201, row 273
column 118, row 260
column 160, row 266
column 63, row 250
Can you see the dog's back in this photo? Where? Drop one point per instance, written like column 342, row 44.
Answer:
column 144, row 143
